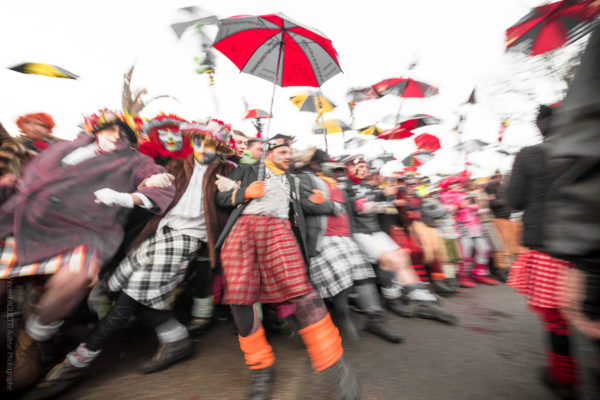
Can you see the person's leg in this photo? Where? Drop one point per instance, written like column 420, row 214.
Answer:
column 202, row 300
column 324, row 345
column 175, row 343
column 369, row 302
column 342, row 316
column 481, row 270
column 561, row 368
column 257, row 351
column 465, row 271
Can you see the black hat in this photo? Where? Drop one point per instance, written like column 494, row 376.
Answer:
column 280, row 140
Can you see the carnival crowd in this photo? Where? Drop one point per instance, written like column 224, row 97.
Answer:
column 180, row 224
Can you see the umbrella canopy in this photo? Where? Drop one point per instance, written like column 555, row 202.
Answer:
column 418, row 121
column 395, row 134
column 312, row 101
column 427, row 142
column 404, row 87
column 417, row 158
column 370, row 130
column 550, row 26
column 276, row 48
column 44, row 69
column 356, row 142
column 330, row 126
column 471, row 146
column 256, row 113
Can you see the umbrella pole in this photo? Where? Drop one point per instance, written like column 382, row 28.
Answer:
column 399, row 108
column 326, row 144
column 261, row 166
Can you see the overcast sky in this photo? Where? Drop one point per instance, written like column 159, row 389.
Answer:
column 458, row 44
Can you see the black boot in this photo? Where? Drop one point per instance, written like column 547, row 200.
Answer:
column 431, row 310
column 442, row 288
column 261, row 382
column 167, row 355
column 398, row 307
column 563, row 391
column 61, row 378
column 342, row 381
column 377, row 325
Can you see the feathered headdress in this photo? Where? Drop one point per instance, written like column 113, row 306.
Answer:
column 153, row 147
column 103, row 118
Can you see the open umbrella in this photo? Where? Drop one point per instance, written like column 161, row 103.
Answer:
column 356, row 142
column 330, row 126
column 471, row 146
column 427, row 142
column 278, row 49
column 550, row 26
column 395, row 134
column 417, row 158
column 370, row 130
column 404, row 87
column 312, row 101
column 418, row 121
column 44, row 69
column 256, row 115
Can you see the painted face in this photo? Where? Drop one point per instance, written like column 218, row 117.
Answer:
column 205, row 149
column 107, row 138
column 360, row 171
column 280, row 156
column 171, row 138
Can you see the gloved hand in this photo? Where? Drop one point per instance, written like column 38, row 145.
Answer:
column 255, row 190
column 225, row 184
column 159, row 180
column 317, row 197
column 110, row 197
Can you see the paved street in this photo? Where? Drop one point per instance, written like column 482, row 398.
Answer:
column 493, row 354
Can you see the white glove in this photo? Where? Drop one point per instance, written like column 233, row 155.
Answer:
column 159, row 180
column 110, row 197
column 225, row 184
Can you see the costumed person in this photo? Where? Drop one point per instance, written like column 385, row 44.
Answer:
column 507, row 229
column 160, row 255
column 336, row 262
column 253, row 151
column 264, row 262
column 474, row 244
column 404, row 293
column 241, row 142
column 66, row 218
column 535, row 273
column 36, row 131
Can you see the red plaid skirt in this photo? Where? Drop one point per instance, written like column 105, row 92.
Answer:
column 538, row 276
column 262, row 261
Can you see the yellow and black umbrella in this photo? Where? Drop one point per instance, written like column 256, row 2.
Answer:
column 373, row 130
column 329, row 126
column 312, row 101
column 44, row 69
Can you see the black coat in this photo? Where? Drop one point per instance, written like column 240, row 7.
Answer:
column 235, row 198
column 528, row 190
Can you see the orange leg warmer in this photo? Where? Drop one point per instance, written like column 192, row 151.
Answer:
column 323, row 343
column 257, row 350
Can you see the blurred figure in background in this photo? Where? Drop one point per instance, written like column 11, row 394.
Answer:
column 36, row 131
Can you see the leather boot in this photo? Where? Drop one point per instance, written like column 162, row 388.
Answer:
column 431, row 310
column 60, row 378
column 377, row 325
column 261, row 383
column 442, row 288
column 27, row 368
column 342, row 381
column 399, row 308
column 348, row 329
column 167, row 355
column 198, row 326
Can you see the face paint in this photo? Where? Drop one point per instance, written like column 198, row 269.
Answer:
column 106, row 142
column 205, row 150
column 172, row 141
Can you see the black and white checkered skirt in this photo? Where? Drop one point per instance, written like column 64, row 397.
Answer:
column 151, row 272
column 339, row 264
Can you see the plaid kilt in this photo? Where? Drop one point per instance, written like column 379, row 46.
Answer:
column 153, row 270
column 261, row 261
column 80, row 258
column 538, row 276
column 338, row 265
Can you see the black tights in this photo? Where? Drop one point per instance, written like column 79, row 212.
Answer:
column 117, row 318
